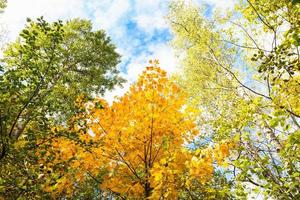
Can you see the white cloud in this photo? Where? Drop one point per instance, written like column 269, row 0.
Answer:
column 151, row 23
column 166, row 55
column 150, row 15
column 162, row 52
column 220, row 4
column 109, row 14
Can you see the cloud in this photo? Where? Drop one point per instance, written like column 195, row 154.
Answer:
column 219, row 4
column 108, row 14
column 166, row 56
column 150, row 15
column 152, row 22
column 163, row 52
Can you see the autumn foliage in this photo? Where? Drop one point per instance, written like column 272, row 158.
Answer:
column 224, row 125
column 138, row 144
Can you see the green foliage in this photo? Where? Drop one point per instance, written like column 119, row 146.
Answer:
column 42, row 74
column 265, row 119
column 217, row 188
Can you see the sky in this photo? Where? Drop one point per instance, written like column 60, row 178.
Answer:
column 137, row 27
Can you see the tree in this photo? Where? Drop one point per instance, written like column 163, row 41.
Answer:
column 135, row 148
column 264, row 116
column 42, row 73
column 277, row 64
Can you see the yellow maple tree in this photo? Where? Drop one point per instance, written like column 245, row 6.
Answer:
column 139, row 141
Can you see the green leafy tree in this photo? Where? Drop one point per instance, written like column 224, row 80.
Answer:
column 42, row 73
column 259, row 108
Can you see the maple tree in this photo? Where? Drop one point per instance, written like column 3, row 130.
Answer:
column 138, row 144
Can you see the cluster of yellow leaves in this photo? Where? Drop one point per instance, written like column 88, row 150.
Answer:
column 64, row 164
column 139, row 141
column 183, row 168
column 287, row 94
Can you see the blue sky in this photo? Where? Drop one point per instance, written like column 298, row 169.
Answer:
column 137, row 27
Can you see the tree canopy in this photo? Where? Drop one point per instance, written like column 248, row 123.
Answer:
column 225, row 125
column 42, row 73
column 137, row 144
column 260, row 107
